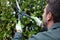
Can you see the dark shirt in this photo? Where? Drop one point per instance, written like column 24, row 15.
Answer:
column 52, row 34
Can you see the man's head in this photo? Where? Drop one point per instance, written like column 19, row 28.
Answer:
column 51, row 12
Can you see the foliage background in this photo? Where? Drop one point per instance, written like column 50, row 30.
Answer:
column 8, row 19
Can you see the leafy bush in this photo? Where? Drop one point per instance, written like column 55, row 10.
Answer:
column 8, row 19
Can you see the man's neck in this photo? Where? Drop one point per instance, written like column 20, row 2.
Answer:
column 49, row 24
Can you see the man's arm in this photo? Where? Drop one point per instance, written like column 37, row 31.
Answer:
column 17, row 36
column 39, row 36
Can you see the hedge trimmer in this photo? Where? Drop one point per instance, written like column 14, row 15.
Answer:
column 21, row 13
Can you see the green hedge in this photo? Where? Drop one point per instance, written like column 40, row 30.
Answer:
column 8, row 20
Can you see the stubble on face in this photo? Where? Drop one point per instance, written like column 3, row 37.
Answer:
column 45, row 16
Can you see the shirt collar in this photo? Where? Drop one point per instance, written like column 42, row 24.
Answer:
column 55, row 25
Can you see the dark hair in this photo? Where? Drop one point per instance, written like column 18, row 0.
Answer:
column 54, row 8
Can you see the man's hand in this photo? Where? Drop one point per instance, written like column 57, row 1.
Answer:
column 18, row 27
column 37, row 20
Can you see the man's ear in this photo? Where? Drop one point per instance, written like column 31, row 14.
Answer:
column 49, row 16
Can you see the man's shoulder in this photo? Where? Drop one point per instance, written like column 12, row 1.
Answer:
column 51, row 34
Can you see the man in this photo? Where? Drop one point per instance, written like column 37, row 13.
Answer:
column 51, row 19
